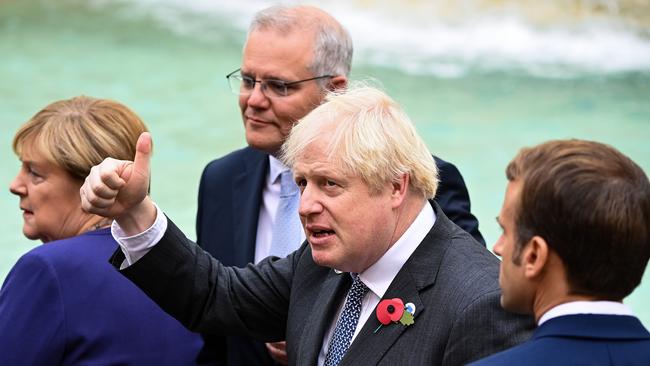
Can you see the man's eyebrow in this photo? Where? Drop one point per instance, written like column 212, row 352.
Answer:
column 265, row 77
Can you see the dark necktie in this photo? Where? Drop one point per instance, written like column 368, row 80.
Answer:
column 347, row 323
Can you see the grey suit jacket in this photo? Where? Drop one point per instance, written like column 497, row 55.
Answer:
column 452, row 280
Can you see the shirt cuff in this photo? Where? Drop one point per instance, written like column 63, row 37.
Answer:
column 136, row 246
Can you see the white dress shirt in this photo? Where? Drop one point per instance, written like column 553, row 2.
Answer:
column 380, row 275
column 136, row 246
column 268, row 209
column 586, row 307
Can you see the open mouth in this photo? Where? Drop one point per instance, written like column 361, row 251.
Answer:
column 322, row 233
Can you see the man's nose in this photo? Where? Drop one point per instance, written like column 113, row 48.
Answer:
column 309, row 202
column 257, row 97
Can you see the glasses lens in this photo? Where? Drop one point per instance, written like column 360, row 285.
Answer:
column 240, row 84
column 244, row 85
column 277, row 88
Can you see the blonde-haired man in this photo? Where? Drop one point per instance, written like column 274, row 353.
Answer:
column 292, row 56
column 376, row 249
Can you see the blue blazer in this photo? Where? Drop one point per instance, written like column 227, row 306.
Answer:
column 64, row 304
column 582, row 339
column 230, row 196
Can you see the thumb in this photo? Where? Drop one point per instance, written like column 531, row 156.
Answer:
column 142, row 157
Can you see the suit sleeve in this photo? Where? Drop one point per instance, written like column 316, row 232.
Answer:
column 484, row 328
column 210, row 298
column 31, row 315
column 453, row 198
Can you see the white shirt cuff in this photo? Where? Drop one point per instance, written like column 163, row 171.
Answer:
column 136, row 246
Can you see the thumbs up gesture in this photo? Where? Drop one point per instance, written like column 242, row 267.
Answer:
column 118, row 189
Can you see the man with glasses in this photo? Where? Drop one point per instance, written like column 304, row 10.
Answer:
column 292, row 56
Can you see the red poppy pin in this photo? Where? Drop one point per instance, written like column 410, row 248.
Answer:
column 393, row 311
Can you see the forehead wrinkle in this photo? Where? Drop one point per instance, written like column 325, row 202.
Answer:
column 263, row 55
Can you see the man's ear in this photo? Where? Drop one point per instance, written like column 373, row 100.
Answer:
column 399, row 188
column 535, row 257
column 339, row 82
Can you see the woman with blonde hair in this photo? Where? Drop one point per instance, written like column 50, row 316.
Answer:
column 55, row 308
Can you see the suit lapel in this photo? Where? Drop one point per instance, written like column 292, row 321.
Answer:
column 247, row 199
column 332, row 292
column 369, row 346
column 418, row 274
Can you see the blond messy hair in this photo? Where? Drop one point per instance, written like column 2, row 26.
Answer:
column 370, row 136
column 76, row 134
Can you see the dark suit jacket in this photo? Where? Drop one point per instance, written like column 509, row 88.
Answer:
column 582, row 339
column 230, row 196
column 63, row 304
column 451, row 279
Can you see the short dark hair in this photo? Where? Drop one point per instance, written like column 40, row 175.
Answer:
column 591, row 204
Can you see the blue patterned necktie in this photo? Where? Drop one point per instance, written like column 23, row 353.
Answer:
column 286, row 229
column 347, row 323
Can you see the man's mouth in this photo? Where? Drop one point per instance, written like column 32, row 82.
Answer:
column 319, row 231
column 257, row 120
column 322, row 233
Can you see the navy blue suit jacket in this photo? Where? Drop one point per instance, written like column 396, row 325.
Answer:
column 230, row 196
column 583, row 339
column 64, row 304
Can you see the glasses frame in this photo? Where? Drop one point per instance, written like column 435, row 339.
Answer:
column 264, row 83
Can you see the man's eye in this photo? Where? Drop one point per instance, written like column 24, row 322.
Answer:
column 301, row 183
column 247, row 82
column 331, row 183
column 277, row 86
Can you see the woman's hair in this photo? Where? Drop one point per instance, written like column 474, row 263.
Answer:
column 76, row 134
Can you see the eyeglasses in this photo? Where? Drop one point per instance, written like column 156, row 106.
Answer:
column 244, row 85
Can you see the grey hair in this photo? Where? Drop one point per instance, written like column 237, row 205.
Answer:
column 332, row 46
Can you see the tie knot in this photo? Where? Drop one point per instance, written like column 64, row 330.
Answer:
column 358, row 288
column 287, row 186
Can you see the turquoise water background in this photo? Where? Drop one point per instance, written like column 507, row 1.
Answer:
column 475, row 111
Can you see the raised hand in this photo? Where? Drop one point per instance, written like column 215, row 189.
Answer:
column 118, row 189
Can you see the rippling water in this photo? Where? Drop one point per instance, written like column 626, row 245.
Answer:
column 480, row 79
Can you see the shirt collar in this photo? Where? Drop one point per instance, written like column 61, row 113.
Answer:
column 586, row 307
column 276, row 167
column 380, row 275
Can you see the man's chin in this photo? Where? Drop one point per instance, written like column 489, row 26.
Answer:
column 323, row 259
column 513, row 308
column 264, row 146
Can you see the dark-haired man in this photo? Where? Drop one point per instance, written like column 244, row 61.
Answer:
column 575, row 243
